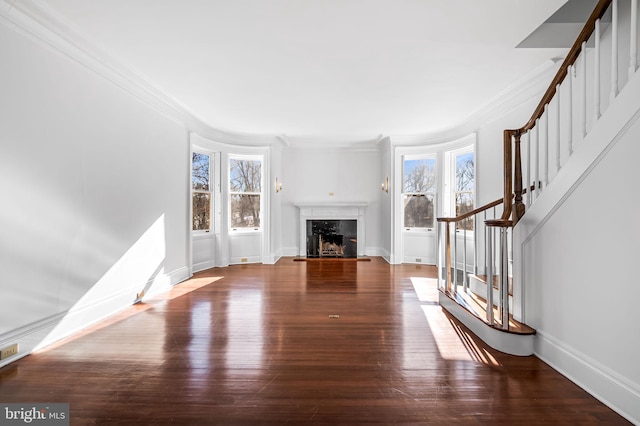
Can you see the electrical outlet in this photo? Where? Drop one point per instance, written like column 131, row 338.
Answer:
column 9, row 351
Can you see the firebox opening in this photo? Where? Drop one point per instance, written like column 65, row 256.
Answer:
column 332, row 238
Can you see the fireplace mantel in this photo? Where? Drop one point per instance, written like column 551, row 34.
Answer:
column 336, row 210
column 336, row 204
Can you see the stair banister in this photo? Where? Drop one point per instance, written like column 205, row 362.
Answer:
column 512, row 136
column 498, row 228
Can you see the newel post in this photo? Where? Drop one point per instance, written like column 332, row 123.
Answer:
column 508, row 175
column 519, row 206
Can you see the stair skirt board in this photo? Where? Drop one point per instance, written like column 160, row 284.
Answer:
column 510, row 343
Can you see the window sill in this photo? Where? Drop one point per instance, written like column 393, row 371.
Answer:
column 240, row 231
column 201, row 234
column 417, row 230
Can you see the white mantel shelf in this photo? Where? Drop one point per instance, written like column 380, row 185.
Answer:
column 331, row 210
column 331, row 204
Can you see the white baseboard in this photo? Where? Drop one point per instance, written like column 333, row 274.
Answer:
column 197, row 267
column 289, row 251
column 617, row 392
column 243, row 260
column 48, row 330
column 376, row 252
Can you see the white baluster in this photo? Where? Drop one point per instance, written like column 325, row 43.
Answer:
column 537, row 166
column 614, row 50
column 545, row 165
column 439, row 253
column 558, row 128
column 465, row 283
column 486, row 236
column 455, row 258
column 571, row 74
column 504, row 277
column 633, row 45
column 475, row 245
column 528, row 170
column 490, row 318
column 584, row 90
column 596, row 72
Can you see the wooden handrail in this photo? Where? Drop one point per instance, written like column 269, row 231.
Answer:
column 511, row 164
column 479, row 209
column 513, row 135
column 472, row 212
column 584, row 35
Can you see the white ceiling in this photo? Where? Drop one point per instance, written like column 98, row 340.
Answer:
column 320, row 69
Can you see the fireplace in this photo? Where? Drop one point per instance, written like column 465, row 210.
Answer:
column 332, row 238
column 332, row 229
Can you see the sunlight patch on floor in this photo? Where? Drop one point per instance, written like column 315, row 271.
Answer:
column 184, row 288
column 426, row 288
column 454, row 342
column 154, row 301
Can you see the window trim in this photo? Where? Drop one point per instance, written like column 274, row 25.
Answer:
column 434, row 192
column 230, row 193
column 210, row 192
column 450, row 177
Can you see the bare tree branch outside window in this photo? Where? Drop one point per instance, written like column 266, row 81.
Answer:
column 465, row 180
column 201, row 192
column 419, row 190
column 245, row 191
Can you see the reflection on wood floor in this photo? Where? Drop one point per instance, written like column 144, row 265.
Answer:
column 327, row 342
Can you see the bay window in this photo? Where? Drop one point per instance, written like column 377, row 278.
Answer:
column 245, row 192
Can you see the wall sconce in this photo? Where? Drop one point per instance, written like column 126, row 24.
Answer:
column 385, row 185
column 278, row 185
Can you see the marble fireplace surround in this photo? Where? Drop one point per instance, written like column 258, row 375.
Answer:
column 331, row 211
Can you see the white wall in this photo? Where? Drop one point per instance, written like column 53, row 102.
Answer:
column 275, row 251
column 386, row 201
column 312, row 174
column 577, row 246
column 94, row 195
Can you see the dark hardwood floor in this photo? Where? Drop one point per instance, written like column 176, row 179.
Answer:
column 256, row 344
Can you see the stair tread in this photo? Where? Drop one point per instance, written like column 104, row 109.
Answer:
column 476, row 305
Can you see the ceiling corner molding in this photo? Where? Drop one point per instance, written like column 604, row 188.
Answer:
column 529, row 87
column 352, row 142
column 533, row 84
column 43, row 26
column 235, row 138
column 284, row 140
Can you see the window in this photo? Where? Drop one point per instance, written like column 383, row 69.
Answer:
column 201, row 191
column 245, row 190
column 419, row 191
column 464, row 184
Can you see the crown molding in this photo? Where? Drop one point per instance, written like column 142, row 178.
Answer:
column 358, row 143
column 48, row 29
column 529, row 87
